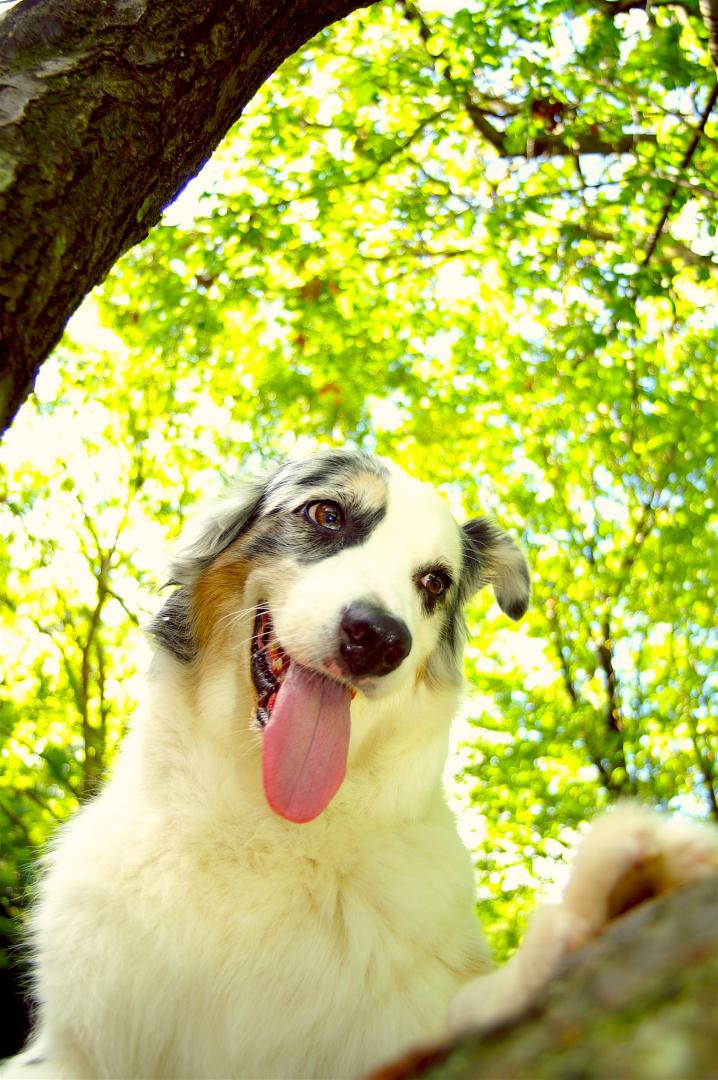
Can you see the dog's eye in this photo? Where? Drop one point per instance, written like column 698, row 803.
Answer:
column 435, row 583
column 328, row 515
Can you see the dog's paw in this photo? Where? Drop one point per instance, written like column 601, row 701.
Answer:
column 630, row 854
column 498, row 997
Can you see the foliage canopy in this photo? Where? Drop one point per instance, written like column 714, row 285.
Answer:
column 479, row 239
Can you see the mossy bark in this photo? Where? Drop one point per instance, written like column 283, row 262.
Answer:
column 640, row 1003
column 107, row 108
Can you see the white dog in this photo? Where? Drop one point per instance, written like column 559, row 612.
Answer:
column 271, row 884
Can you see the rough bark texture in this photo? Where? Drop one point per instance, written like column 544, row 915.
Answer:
column 107, row 108
column 640, row 1003
column 709, row 11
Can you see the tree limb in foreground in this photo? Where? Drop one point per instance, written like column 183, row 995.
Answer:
column 638, row 1003
column 107, row 108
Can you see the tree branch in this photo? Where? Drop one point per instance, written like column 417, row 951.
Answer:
column 113, row 106
column 642, row 993
column 667, row 245
column 709, row 13
column 613, row 754
column 685, row 162
column 614, row 719
column 557, row 638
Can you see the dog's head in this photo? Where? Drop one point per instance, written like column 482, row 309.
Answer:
column 337, row 576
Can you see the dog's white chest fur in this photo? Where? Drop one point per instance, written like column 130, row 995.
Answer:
column 319, row 951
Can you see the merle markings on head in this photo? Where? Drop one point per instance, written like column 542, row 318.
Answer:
column 335, row 576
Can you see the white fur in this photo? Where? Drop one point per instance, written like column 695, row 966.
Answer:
column 184, row 930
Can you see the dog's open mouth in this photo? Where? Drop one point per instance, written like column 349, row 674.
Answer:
column 269, row 664
column 305, row 717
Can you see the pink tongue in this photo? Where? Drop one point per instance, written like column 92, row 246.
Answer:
column 306, row 741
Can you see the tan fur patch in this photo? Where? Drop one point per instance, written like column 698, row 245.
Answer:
column 219, row 590
column 370, row 485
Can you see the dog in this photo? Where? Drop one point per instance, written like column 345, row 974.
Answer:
column 271, row 883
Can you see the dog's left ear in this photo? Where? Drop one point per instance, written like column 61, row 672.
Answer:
column 492, row 558
column 219, row 528
column 173, row 627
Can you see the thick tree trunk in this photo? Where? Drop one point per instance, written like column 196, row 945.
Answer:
column 640, row 1003
column 107, row 108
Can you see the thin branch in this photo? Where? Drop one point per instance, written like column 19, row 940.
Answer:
column 443, row 254
column 353, row 181
column 62, row 780
column 612, row 8
column 544, row 145
column 17, row 822
column 708, row 777
column 93, row 761
column 104, row 707
column 558, row 643
column 685, row 162
column 66, row 662
column 695, row 189
column 614, row 719
column 131, row 615
column 34, row 797
column 645, row 523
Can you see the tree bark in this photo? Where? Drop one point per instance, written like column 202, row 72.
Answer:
column 107, row 108
column 639, row 1003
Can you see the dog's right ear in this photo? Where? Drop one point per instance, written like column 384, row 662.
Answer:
column 492, row 558
column 172, row 626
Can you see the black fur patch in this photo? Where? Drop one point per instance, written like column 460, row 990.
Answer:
column 172, row 627
column 289, row 532
column 517, row 608
column 491, row 557
column 453, row 629
column 283, row 528
column 429, row 602
column 331, row 468
column 477, row 538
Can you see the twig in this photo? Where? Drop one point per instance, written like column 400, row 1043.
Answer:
column 690, row 151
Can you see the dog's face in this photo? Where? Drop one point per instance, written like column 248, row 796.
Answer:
column 338, row 576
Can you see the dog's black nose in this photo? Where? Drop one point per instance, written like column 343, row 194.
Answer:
column 371, row 642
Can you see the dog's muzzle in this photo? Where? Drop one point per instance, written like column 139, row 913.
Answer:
column 372, row 642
